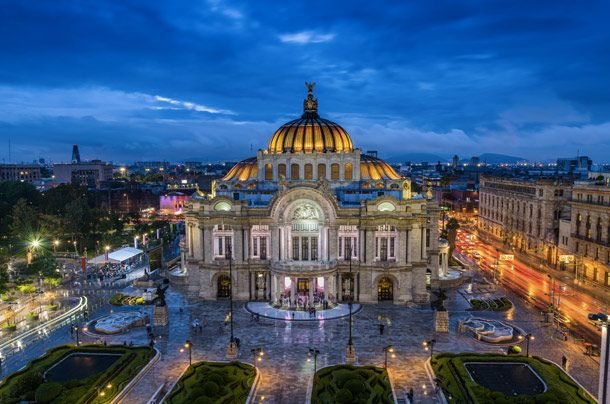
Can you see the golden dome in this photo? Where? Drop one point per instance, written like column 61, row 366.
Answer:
column 310, row 133
column 372, row 168
column 243, row 171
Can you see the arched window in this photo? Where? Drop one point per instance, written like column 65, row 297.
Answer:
column 294, row 172
column 321, row 171
column 281, row 170
column 334, row 171
column 268, row 171
column 348, row 175
column 308, row 175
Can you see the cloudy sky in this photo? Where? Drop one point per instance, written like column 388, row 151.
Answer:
column 213, row 79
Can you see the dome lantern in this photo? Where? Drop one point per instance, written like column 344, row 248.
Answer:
column 310, row 133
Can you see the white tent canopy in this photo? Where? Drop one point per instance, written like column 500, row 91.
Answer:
column 117, row 256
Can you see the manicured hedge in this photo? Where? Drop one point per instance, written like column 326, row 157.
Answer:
column 214, row 382
column 351, row 384
column 501, row 304
column 457, row 383
column 28, row 385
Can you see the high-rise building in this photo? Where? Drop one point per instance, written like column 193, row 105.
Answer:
column 75, row 154
column 312, row 217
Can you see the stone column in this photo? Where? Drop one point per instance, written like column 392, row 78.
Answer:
column 415, row 244
column 208, row 245
column 420, row 295
column 275, row 243
column 339, row 287
column 370, row 246
column 311, row 286
column 332, row 242
column 293, row 289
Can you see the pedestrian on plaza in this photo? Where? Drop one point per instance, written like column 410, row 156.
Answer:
column 293, row 315
column 564, row 362
column 381, row 328
column 200, row 329
column 410, row 395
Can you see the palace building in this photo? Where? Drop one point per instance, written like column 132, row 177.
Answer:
column 312, row 218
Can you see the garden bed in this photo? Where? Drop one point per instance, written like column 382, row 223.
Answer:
column 501, row 304
column 28, row 384
column 343, row 384
column 214, row 382
column 125, row 300
column 459, row 386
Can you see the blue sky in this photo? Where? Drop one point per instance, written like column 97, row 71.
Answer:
column 213, row 79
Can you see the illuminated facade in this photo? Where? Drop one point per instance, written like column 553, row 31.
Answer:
column 294, row 215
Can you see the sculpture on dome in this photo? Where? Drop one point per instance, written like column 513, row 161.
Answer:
column 310, row 105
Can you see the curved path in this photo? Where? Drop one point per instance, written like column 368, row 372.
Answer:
column 264, row 309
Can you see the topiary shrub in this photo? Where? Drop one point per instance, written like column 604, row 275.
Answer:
column 343, row 375
column 210, row 389
column 47, row 392
column 29, row 382
column 216, row 378
column 344, row 396
column 355, row 386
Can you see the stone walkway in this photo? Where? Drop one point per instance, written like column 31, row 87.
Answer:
column 285, row 370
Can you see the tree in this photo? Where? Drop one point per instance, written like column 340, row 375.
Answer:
column 78, row 218
column 451, row 229
column 24, row 221
column 4, row 278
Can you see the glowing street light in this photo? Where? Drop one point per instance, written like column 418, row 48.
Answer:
column 313, row 353
column 528, row 338
column 386, row 350
column 429, row 346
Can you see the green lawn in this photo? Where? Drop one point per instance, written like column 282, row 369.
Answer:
column 343, row 384
column 214, row 382
column 457, row 383
column 27, row 384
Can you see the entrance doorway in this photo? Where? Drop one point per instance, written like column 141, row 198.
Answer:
column 385, row 289
column 224, row 287
column 303, row 286
column 347, row 287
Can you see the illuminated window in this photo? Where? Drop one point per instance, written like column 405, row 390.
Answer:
column 268, row 171
column 321, row 171
column 281, row 170
column 334, row 171
column 308, row 175
column 294, row 172
column 348, row 172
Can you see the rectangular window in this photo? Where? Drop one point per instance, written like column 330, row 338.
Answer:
column 268, row 172
column 321, row 171
column 263, row 248
column 295, row 248
column 281, row 170
column 314, row 248
column 294, row 172
column 255, row 247
column 305, row 248
column 348, row 245
column 228, row 246
column 308, row 172
column 354, row 247
column 334, row 171
column 383, row 251
column 392, row 242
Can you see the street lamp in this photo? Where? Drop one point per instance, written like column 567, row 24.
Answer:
column 351, row 352
column 76, row 329
column 55, row 244
column 528, row 337
column 387, row 349
column 429, row 346
column 257, row 355
column 188, row 345
column 601, row 320
column 232, row 351
column 313, row 353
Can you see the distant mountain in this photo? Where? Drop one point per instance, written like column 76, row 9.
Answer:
column 494, row 158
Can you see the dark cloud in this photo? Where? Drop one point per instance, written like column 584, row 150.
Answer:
column 444, row 74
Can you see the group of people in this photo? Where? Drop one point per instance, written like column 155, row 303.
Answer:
column 108, row 271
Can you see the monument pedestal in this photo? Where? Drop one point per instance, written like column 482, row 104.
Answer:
column 350, row 355
column 442, row 321
column 160, row 316
column 232, row 350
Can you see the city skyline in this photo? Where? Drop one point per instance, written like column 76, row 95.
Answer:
column 213, row 81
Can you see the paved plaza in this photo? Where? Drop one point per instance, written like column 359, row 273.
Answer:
column 285, row 370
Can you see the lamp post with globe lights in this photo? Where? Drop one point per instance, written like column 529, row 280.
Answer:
column 601, row 320
column 350, row 355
